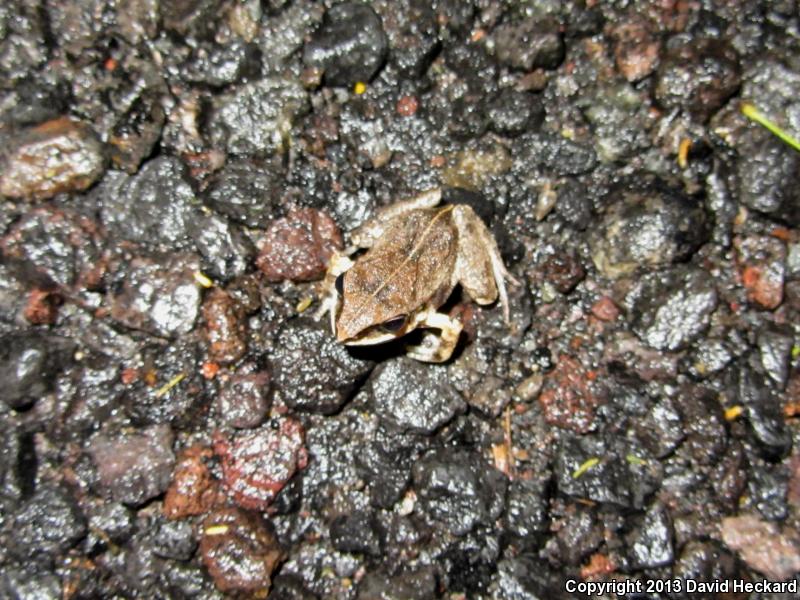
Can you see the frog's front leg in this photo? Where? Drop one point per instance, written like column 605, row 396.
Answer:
column 436, row 348
column 338, row 264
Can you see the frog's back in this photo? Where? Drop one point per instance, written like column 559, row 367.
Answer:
column 411, row 265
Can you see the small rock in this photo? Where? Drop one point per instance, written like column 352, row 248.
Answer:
column 529, row 44
column 650, row 543
column 512, row 112
column 568, row 397
column 698, row 76
column 192, row 490
column 554, row 153
column 136, row 132
column 29, row 363
column 769, row 176
column 775, row 347
column 113, row 521
column 563, row 270
column 41, row 307
column 247, row 191
column 190, row 17
column 762, row 546
column 387, row 469
column 175, row 540
column 356, row 532
column 155, row 206
column 646, row 223
column 257, row 464
column 311, row 370
column 219, row 65
column 256, row 120
column 414, row 584
column 762, row 263
column 460, row 489
column 636, row 48
column 350, row 45
column 527, row 508
column 671, row 308
column 244, row 399
column 227, row 252
column 158, row 294
column 60, row 246
column 298, row 246
column 49, row 522
column 52, row 158
column 764, row 413
column 134, row 467
column 225, row 330
column 240, row 551
column 411, row 397
column 605, row 309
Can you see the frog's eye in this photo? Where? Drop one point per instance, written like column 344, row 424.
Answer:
column 339, row 283
column 394, row 324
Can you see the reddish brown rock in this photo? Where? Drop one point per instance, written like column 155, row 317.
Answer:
column 636, row 49
column 298, row 246
column 257, row 464
column 568, row 397
column 42, row 307
column 762, row 268
column 243, row 400
column 605, row 309
column 224, row 327
column 240, row 551
column 192, row 490
column 762, row 546
column 564, row 271
column 57, row 156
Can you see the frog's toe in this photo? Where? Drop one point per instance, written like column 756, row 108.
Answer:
column 436, row 347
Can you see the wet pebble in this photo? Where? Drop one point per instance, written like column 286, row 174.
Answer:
column 257, row 118
column 257, row 464
column 554, row 153
column 527, row 508
column 512, row 112
column 298, row 246
column 246, row 191
column 459, row 489
column 568, row 398
column 134, row 466
column 764, row 413
column 311, row 370
column 762, row 546
column 29, row 363
column 650, row 544
column 58, row 156
column 243, row 400
column 136, row 133
column 349, row 46
column 762, row 268
column 775, row 347
column 698, row 76
column 28, row 582
column 224, row 327
column 224, row 64
column 563, row 270
column 644, row 222
column 706, row 561
column 637, row 48
column 111, row 521
column 227, row 252
column 240, row 551
column 56, row 246
column 413, row 397
column 671, row 308
column 529, row 43
column 192, row 490
column 155, row 206
column 158, row 294
column 769, row 176
column 356, row 532
column 386, row 467
column 174, row 539
column 49, row 522
column 411, row 584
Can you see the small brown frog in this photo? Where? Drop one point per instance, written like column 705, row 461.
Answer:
column 418, row 251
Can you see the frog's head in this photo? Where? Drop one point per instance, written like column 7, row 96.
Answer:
column 367, row 314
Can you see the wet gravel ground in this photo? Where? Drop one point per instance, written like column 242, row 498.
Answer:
column 174, row 179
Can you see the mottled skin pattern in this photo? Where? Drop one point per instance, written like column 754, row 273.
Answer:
column 417, row 253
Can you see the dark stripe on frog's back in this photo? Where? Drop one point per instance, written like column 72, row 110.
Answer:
column 412, row 260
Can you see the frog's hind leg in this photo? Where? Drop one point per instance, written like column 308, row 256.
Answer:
column 479, row 266
column 436, row 348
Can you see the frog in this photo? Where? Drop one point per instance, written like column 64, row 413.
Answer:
column 400, row 268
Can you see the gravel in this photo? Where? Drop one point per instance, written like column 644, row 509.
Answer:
column 174, row 179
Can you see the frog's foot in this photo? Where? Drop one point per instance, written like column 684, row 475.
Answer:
column 436, row 348
column 339, row 263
